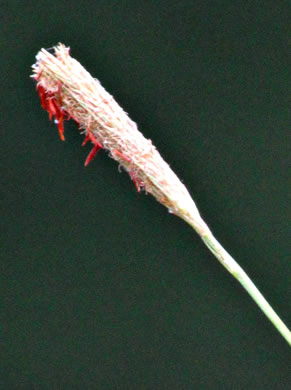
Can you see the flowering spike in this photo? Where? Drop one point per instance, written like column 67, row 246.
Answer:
column 84, row 99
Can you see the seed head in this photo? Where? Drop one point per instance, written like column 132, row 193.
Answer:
column 68, row 91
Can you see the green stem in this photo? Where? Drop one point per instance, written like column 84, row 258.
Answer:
column 232, row 266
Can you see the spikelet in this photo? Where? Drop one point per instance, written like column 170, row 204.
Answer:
column 67, row 91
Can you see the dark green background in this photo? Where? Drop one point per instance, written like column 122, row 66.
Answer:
column 101, row 288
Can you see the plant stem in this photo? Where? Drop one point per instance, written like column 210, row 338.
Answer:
column 232, row 266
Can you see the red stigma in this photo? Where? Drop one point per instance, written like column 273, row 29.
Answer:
column 52, row 104
column 97, row 146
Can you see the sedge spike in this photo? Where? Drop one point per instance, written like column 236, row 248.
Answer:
column 68, row 91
